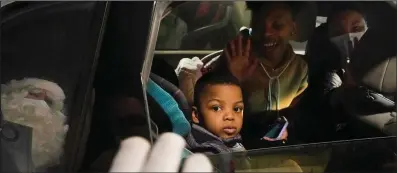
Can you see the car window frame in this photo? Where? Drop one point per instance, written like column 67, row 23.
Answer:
column 158, row 11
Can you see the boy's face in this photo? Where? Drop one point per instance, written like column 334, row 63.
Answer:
column 221, row 110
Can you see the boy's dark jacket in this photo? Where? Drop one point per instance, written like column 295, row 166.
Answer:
column 202, row 141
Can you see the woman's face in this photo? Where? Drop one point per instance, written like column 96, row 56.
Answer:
column 346, row 22
column 345, row 30
column 272, row 29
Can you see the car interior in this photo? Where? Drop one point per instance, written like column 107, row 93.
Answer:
column 375, row 121
column 96, row 51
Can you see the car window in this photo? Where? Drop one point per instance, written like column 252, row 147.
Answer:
column 181, row 38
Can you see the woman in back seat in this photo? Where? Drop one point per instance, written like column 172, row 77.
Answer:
column 328, row 57
column 344, row 28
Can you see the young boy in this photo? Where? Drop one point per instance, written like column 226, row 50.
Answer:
column 217, row 115
column 217, row 120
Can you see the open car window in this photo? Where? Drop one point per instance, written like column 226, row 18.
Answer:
column 190, row 30
column 182, row 35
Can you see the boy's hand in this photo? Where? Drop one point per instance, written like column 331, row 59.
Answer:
column 193, row 66
column 239, row 60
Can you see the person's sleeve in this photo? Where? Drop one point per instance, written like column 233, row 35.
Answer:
column 188, row 77
column 187, row 80
column 332, row 80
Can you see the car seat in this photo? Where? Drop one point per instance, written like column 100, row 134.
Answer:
column 57, row 41
column 162, row 72
column 169, row 104
column 179, row 116
column 374, row 67
column 175, row 92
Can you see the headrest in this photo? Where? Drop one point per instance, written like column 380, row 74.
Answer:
column 373, row 63
column 306, row 21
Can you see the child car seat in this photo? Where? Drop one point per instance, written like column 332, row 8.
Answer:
column 164, row 71
column 172, row 109
column 172, row 106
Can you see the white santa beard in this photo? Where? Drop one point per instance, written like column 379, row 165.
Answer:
column 48, row 127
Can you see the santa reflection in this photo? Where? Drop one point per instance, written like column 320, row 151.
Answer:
column 38, row 103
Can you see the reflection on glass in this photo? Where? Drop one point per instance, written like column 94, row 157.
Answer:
column 356, row 155
column 46, row 77
column 192, row 25
column 37, row 104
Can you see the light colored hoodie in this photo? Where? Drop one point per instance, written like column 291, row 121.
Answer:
column 275, row 90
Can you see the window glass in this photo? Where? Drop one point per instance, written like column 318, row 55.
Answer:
column 47, row 52
column 320, row 157
column 185, row 33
